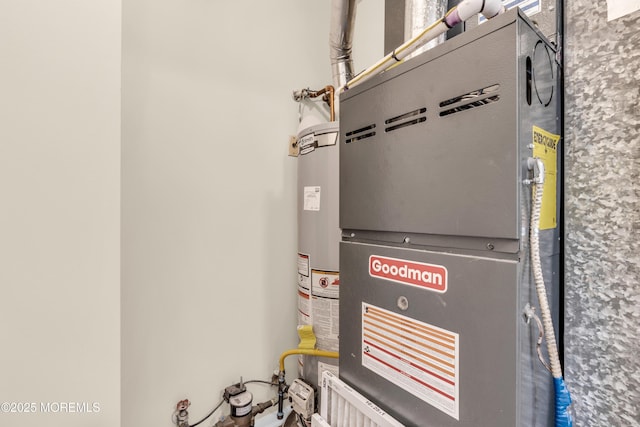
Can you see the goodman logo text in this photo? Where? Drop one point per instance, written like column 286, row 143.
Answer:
column 427, row 276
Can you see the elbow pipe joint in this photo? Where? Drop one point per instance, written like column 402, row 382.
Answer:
column 469, row 8
column 488, row 8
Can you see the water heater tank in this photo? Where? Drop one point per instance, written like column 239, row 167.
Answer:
column 318, row 242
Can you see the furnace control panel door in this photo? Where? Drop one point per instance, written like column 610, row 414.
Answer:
column 430, row 337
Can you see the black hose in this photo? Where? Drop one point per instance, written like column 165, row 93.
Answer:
column 210, row 413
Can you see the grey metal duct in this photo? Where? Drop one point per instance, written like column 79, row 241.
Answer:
column 343, row 18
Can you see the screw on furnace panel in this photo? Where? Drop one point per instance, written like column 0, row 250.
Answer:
column 407, row 240
column 490, row 246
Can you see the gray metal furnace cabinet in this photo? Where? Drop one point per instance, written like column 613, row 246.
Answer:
column 434, row 211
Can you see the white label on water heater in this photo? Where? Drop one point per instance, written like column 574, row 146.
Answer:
column 303, row 264
column 420, row 358
column 325, row 308
column 312, row 198
column 304, row 306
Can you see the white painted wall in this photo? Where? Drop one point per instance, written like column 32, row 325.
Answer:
column 209, row 221
column 60, row 209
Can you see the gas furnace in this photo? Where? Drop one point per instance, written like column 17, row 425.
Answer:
column 437, row 313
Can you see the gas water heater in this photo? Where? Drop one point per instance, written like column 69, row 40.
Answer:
column 437, row 301
column 318, row 241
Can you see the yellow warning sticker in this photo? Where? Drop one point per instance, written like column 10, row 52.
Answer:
column 545, row 147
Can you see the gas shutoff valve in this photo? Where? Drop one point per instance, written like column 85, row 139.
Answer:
column 302, row 398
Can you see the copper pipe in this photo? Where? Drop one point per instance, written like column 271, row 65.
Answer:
column 329, row 97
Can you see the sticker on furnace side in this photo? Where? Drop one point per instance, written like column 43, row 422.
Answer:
column 545, row 148
column 420, row 358
column 427, row 276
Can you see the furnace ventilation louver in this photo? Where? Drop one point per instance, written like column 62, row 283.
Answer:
column 476, row 98
column 362, row 133
column 407, row 119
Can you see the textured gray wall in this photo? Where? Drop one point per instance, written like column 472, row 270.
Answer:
column 602, row 320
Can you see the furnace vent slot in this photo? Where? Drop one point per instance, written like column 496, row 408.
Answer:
column 419, row 115
column 362, row 133
column 476, row 98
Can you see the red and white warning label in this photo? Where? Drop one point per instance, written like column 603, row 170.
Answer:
column 420, row 358
column 325, row 308
column 318, row 304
